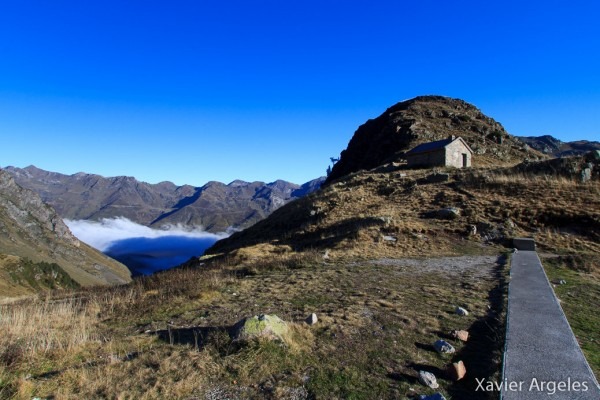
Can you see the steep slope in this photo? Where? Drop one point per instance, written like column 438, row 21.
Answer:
column 215, row 206
column 556, row 148
column 377, row 213
column 424, row 119
column 32, row 232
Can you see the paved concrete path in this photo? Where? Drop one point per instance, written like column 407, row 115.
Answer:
column 542, row 358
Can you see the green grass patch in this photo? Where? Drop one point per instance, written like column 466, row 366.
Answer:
column 349, row 382
column 41, row 275
column 580, row 300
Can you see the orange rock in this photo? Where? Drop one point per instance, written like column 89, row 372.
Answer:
column 456, row 371
column 461, row 335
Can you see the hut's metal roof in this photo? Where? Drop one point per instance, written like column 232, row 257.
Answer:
column 437, row 145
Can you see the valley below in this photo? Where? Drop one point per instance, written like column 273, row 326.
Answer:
column 145, row 256
column 144, row 250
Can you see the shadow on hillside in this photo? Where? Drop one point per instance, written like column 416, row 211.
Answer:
column 196, row 337
column 482, row 354
column 186, row 201
column 332, row 235
column 293, row 232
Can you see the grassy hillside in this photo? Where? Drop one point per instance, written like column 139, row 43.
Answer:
column 381, row 303
column 33, row 233
column 396, row 212
column 20, row 276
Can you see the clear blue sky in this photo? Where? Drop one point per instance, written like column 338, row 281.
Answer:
column 192, row 91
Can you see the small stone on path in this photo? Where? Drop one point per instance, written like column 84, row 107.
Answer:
column 457, row 371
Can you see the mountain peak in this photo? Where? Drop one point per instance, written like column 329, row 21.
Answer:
column 237, row 183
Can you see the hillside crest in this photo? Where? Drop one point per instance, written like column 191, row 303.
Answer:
column 424, row 119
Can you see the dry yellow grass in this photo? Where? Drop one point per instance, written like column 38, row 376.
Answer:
column 47, row 326
column 392, row 214
column 375, row 321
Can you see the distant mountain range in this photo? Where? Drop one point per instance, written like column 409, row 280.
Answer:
column 215, row 206
column 550, row 145
column 37, row 250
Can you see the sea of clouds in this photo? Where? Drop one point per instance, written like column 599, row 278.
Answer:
column 142, row 249
column 104, row 233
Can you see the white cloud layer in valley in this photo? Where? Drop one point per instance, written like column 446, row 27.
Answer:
column 102, row 234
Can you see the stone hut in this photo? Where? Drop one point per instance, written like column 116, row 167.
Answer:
column 450, row 152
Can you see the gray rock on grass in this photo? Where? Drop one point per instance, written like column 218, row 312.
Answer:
column 260, row 326
column 312, row 319
column 461, row 335
column 449, row 213
column 443, row 347
column 461, row 311
column 428, row 379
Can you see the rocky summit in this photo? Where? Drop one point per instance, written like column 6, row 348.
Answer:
column 400, row 128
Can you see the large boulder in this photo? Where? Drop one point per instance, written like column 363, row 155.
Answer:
column 260, row 326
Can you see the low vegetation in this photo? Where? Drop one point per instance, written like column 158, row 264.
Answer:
column 393, row 212
column 22, row 276
column 167, row 336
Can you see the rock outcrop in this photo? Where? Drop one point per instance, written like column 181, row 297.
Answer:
column 401, row 127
